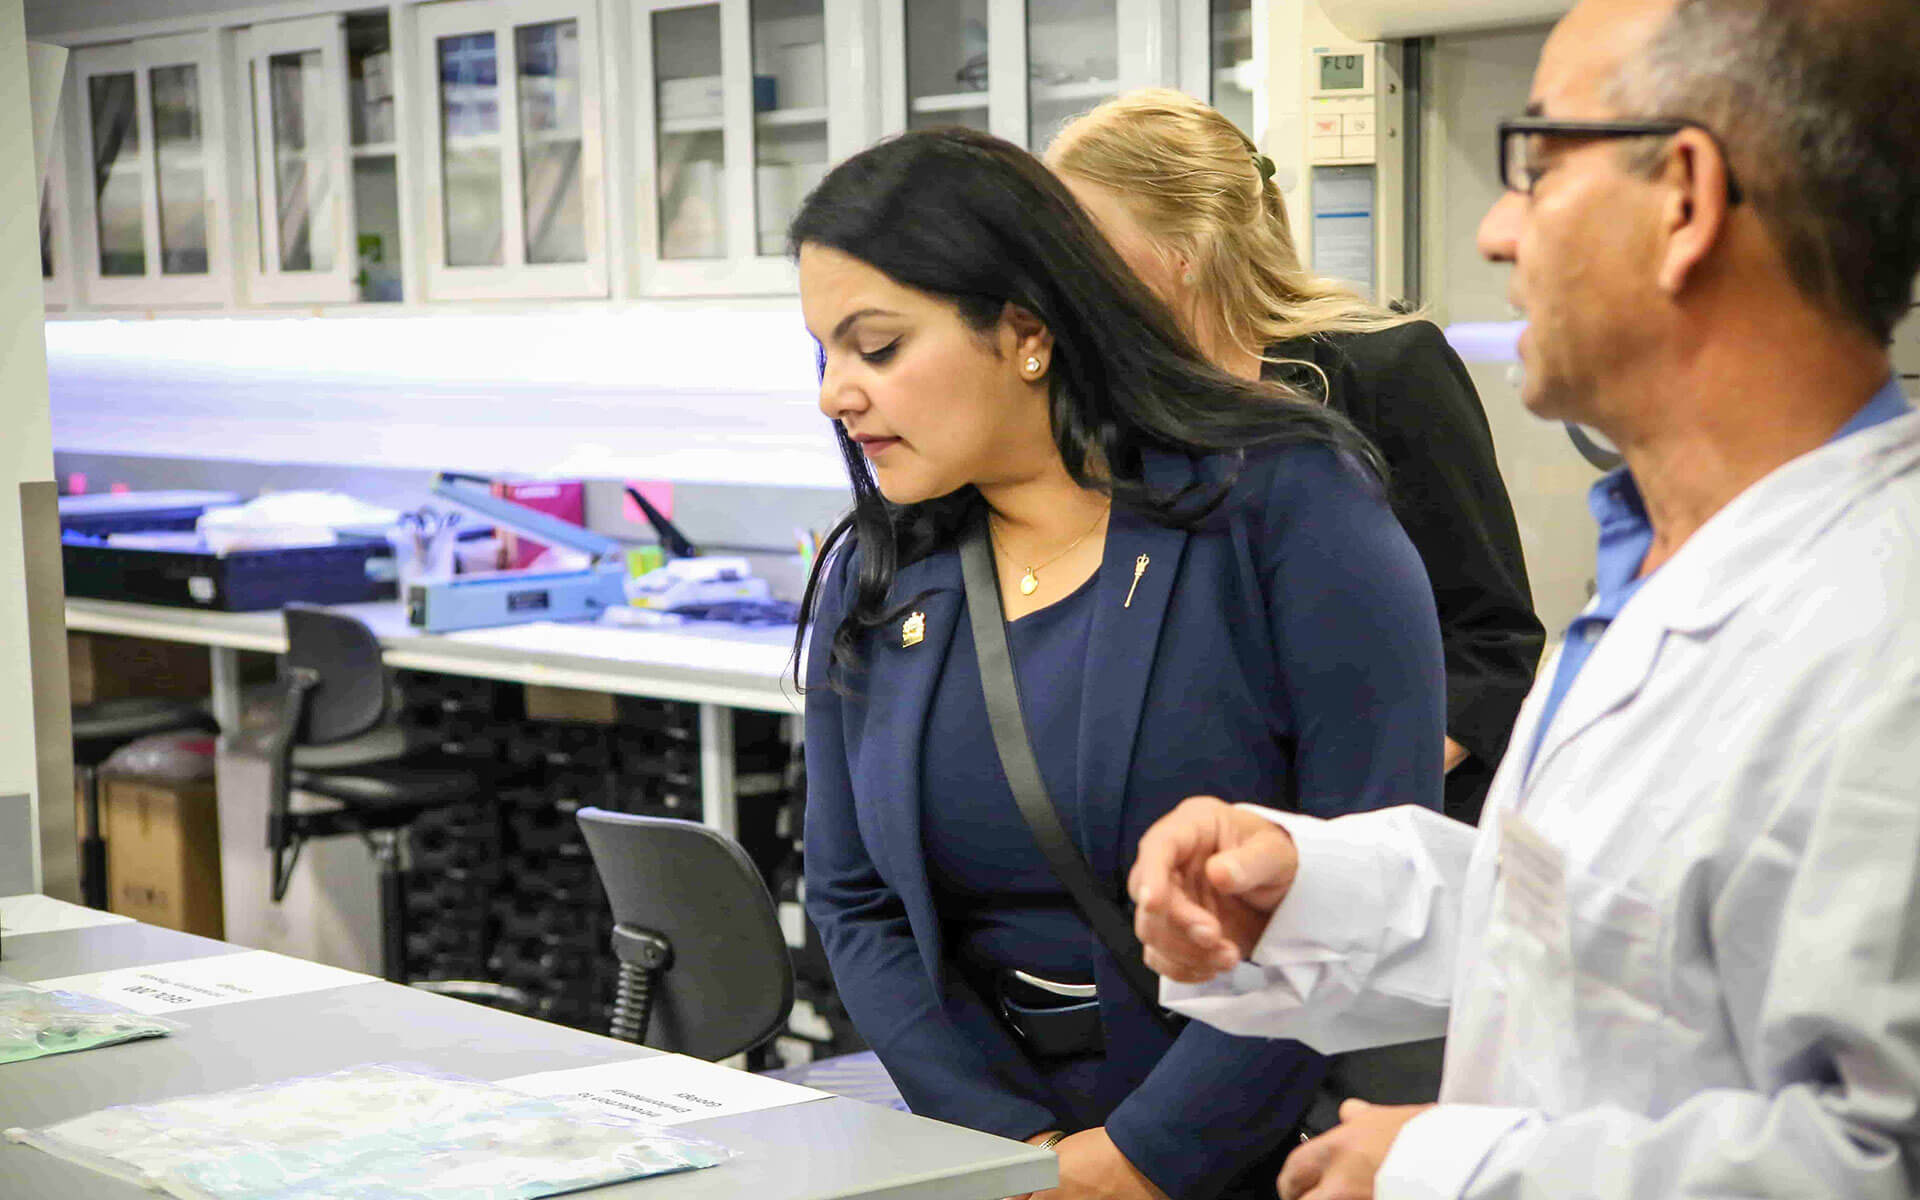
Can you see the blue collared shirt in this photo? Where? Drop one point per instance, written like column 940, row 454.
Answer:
column 1625, row 537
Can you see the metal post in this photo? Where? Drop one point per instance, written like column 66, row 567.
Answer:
column 225, row 665
column 719, row 804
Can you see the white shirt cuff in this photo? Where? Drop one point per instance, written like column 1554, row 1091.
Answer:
column 1361, row 951
column 1438, row 1153
column 1335, row 912
column 1298, row 981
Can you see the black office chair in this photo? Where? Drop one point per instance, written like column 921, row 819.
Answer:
column 336, row 709
column 703, row 965
column 98, row 731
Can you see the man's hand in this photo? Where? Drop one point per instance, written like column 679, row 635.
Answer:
column 1341, row 1163
column 1092, row 1168
column 1204, row 885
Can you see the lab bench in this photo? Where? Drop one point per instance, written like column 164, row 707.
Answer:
column 821, row 1149
column 723, row 684
column 717, row 667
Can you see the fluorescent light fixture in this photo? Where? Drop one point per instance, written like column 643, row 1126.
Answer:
column 697, row 394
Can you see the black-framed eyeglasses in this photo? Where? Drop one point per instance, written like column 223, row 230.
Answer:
column 1523, row 161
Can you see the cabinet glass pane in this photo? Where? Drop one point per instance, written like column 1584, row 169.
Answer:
column 369, row 80
column 376, row 224
column 790, row 113
column 1233, row 63
column 181, row 169
column 691, row 173
column 303, row 178
column 376, row 183
column 470, row 141
column 1073, row 62
column 118, row 182
column 946, row 63
column 547, row 59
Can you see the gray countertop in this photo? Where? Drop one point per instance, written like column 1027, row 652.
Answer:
column 818, row 1150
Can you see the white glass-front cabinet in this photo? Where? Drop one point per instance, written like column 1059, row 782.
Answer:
column 373, row 142
column 1229, row 77
column 154, row 218
column 514, row 196
column 56, row 241
column 1221, row 55
column 325, row 181
column 744, row 115
column 1019, row 69
column 473, row 140
column 301, row 244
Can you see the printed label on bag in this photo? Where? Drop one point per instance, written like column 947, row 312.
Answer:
column 205, row 982
column 667, row 1089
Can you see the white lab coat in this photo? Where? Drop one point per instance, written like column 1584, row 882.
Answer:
column 1682, row 953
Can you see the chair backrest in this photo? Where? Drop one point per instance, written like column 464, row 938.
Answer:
column 730, row 984
column 350, row 693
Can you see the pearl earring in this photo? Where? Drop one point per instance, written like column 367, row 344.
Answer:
column 1033, row 365
column 1187, row 279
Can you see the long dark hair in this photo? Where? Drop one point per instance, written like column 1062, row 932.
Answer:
column 983, row 224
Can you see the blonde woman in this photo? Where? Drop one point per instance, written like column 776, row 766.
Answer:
column 1191, row 205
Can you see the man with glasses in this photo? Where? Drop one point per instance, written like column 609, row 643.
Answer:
column 1681, row 957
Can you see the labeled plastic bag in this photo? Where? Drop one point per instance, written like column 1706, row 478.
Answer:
column 35, row 1022
column 372, row 1132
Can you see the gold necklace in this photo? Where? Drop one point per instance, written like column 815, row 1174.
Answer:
column 1030, row 580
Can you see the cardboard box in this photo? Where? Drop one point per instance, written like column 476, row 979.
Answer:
column 79, row 807
column 104, row 667
column 570, row 704
column 163, row 853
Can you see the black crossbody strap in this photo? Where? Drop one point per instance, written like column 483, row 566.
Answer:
column 1022, row 770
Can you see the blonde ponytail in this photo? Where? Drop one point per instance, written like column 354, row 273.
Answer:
column 1194, row 183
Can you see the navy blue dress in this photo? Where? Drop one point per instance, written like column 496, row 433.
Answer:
column 1286, row 652
column 1003, row 906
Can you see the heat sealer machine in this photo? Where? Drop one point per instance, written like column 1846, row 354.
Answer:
column 490, row 598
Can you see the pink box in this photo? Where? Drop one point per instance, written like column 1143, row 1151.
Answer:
column 563, row 498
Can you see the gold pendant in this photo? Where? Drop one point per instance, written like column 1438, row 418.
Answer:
column 913, row 630
column 1029, row 583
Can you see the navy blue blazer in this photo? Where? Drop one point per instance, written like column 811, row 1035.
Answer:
column 1285, row 653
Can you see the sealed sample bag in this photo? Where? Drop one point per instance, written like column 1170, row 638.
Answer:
column 372, row 1132
column 35, row 1022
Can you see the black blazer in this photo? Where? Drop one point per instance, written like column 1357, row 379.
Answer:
column 1286, row 653
column 1410, row 394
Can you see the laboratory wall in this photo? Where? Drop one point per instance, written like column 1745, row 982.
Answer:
column 26, row 454
column 1469, row 82
column 1906, row 351
column 1473, row 81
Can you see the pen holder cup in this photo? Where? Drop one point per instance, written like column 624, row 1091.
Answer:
column 420, row 557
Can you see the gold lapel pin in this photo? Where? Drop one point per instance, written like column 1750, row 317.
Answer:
column 1139, row 569
column 913, row 630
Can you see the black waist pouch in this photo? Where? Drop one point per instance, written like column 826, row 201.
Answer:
column 1048, row 1023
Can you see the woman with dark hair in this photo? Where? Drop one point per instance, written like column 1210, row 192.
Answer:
column 1204, row 592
